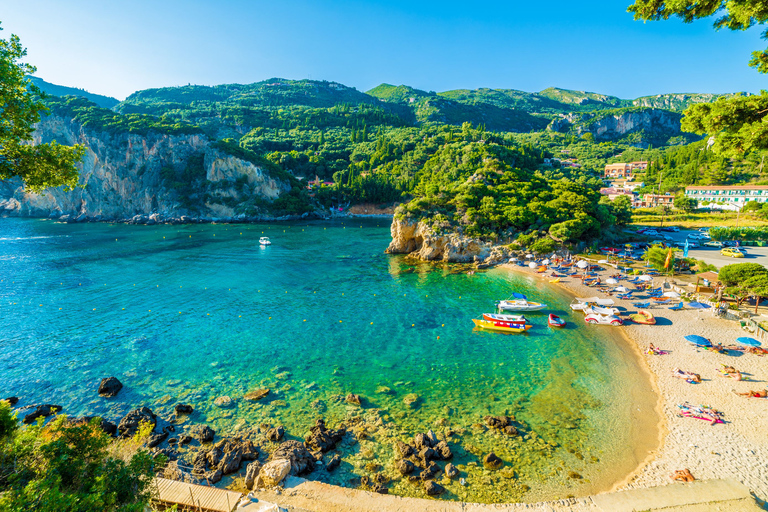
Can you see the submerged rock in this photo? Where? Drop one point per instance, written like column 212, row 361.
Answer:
column 322, row 438
column 130, row 422
column 183, row 409
column 492, row 461
column 404, row 450
column 411, row 400
column 275, row 434
column 223, row 402
column 42, row 411
column 498, row 421
column 155, row 439
column 333, row 463
column 110, row 387
column 354, row 399
column 205, row 434
column 451, row 471
column 256, row 394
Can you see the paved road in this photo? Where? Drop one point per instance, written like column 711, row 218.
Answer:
column 752, row 254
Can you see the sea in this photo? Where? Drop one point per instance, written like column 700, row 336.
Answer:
column 189, row 313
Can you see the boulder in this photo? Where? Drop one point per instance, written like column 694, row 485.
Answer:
column 184, row 409
column 443, row 450
column 273, row 473
column 404, row 466
column 256, row 394
column 42, row 411
column 333, row 463
column 432, row 438
column 451, row 471
column 322, row 438
column 430, row 472
column 510, row 430
column 427, row 454
column 498, row 421
column 155, row 439
column 354, row 399
column 432, row 488
column 251, row 472
column 421, row 441
column 110, row 387
column 214, row 456
column 248, row 451
column 213, row 476
column 404, row 449
column 275, row 434
column 12, row 400
column 230, row 462
column 297, row 454
column 130, row 422
column 492, row 461
column 223, row 402
column 184, row 439
column 205, row 434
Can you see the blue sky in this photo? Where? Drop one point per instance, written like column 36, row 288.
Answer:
column 117, row 47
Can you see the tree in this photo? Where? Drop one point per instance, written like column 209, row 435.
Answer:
column 664, row 210
column 621, row 208
column 659, row 258
column 687, row 204
column 39, row 166
column 737, row 122
column 731, row 275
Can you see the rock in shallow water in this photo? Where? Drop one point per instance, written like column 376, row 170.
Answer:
column 251, row 473
column 223, row 402
column 205, row 434
column 354, row 399
column 451, row 471
column 301, row 461
column 256, row 394
column 333, row 463
column 42, row 411
column 275, row 434
column 273, row 473
column 184, row 409
column 492, row 461
column 131, row 421
column 322, row 438
column 405, row 467
column 110, row 387
column 12, row 400
column 432, row 488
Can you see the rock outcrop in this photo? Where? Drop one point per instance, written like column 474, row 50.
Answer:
column 416, row 239
column 145, row 178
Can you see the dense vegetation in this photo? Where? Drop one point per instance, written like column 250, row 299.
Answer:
column 70, row 467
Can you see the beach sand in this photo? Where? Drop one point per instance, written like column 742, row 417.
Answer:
column 737, row 449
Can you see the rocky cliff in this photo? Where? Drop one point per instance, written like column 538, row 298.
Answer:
column 157, row 176
column 642, row 125
column 418, row 240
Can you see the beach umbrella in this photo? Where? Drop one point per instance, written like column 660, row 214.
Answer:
column 512, row 260
column 673, row 295
column 582, row 264
column 645, row 278
column 621, row 289
column 700, row 341
column 611, row 280
column 529, row 256
column 746, row 340
column 698, row 305
column 545, row 262
column 532, row 264
column 602, row 261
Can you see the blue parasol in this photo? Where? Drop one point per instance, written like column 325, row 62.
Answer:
column 698, row 340
column 519, row 296
column 746, row 340
column 698, row 305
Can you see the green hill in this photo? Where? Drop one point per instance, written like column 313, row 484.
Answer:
column 60, row 90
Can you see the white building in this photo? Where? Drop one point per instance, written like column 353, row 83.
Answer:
column 736, row 195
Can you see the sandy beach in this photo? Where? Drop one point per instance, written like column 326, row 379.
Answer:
column 736, row 449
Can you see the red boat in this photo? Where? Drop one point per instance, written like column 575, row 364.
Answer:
column 556, row 321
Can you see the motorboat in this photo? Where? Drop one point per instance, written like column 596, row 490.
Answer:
column 555, row 321
column 501, row 326
column 580, row 304
column 496, row 317
column 520, row 305
column 594, row 318
column 264, row 241
column 643, row 317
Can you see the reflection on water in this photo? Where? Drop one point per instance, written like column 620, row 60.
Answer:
column 190, row 313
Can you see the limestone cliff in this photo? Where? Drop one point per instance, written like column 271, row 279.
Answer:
column 157, row 176
column 418, row 240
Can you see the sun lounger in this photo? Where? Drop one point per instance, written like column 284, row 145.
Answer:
column 642, row 305
column 677, row 307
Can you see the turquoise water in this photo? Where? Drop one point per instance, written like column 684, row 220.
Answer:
column 190, row 313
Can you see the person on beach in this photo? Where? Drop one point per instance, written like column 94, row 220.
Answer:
column 763, row 393
column 689, row 377
column 653, row 350
column 730, row 371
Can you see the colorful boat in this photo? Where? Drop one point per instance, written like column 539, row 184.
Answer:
column 495, row 317
column 541, row 269
column 555, row 321
column 520, row 305
column 501, row 326
column 643, row 317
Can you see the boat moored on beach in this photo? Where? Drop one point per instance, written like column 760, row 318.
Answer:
column 555, row 321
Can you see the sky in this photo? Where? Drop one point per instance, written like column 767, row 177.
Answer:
column 117, row 47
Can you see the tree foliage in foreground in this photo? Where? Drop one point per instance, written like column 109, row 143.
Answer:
column 744, row 280
column 65, row 467
column 739, row 122
column 41, row 165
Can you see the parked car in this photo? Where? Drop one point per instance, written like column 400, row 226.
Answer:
column 692, row 244
column 693, row 236
column 705, row 236
column 729, row 243
column 667, row 237
column 673, row 229
column 659, row 242
column 733, row 252
column 714, row 243
column 704, row 230
column 651, row 232
column 595, row 318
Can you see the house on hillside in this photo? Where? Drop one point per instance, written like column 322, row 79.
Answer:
column 736, row 195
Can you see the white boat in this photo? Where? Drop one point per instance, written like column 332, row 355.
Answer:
column 494, row 317
column 520, row 305
column 582, row 304
column 597, row 310
column 264, row 241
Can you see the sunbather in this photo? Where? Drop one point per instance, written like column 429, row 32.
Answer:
column 763, row 393
column 689, row 377
column 730, row 371
column 653, row 350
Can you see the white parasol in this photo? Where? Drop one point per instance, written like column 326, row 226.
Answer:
column 611, row 280
column 673, row 295
column 582, row 264
column 645, row 278
column 545, row 262
column 532, row 264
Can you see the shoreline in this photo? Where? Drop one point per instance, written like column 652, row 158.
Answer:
column 645, row 448
column 737, row 449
